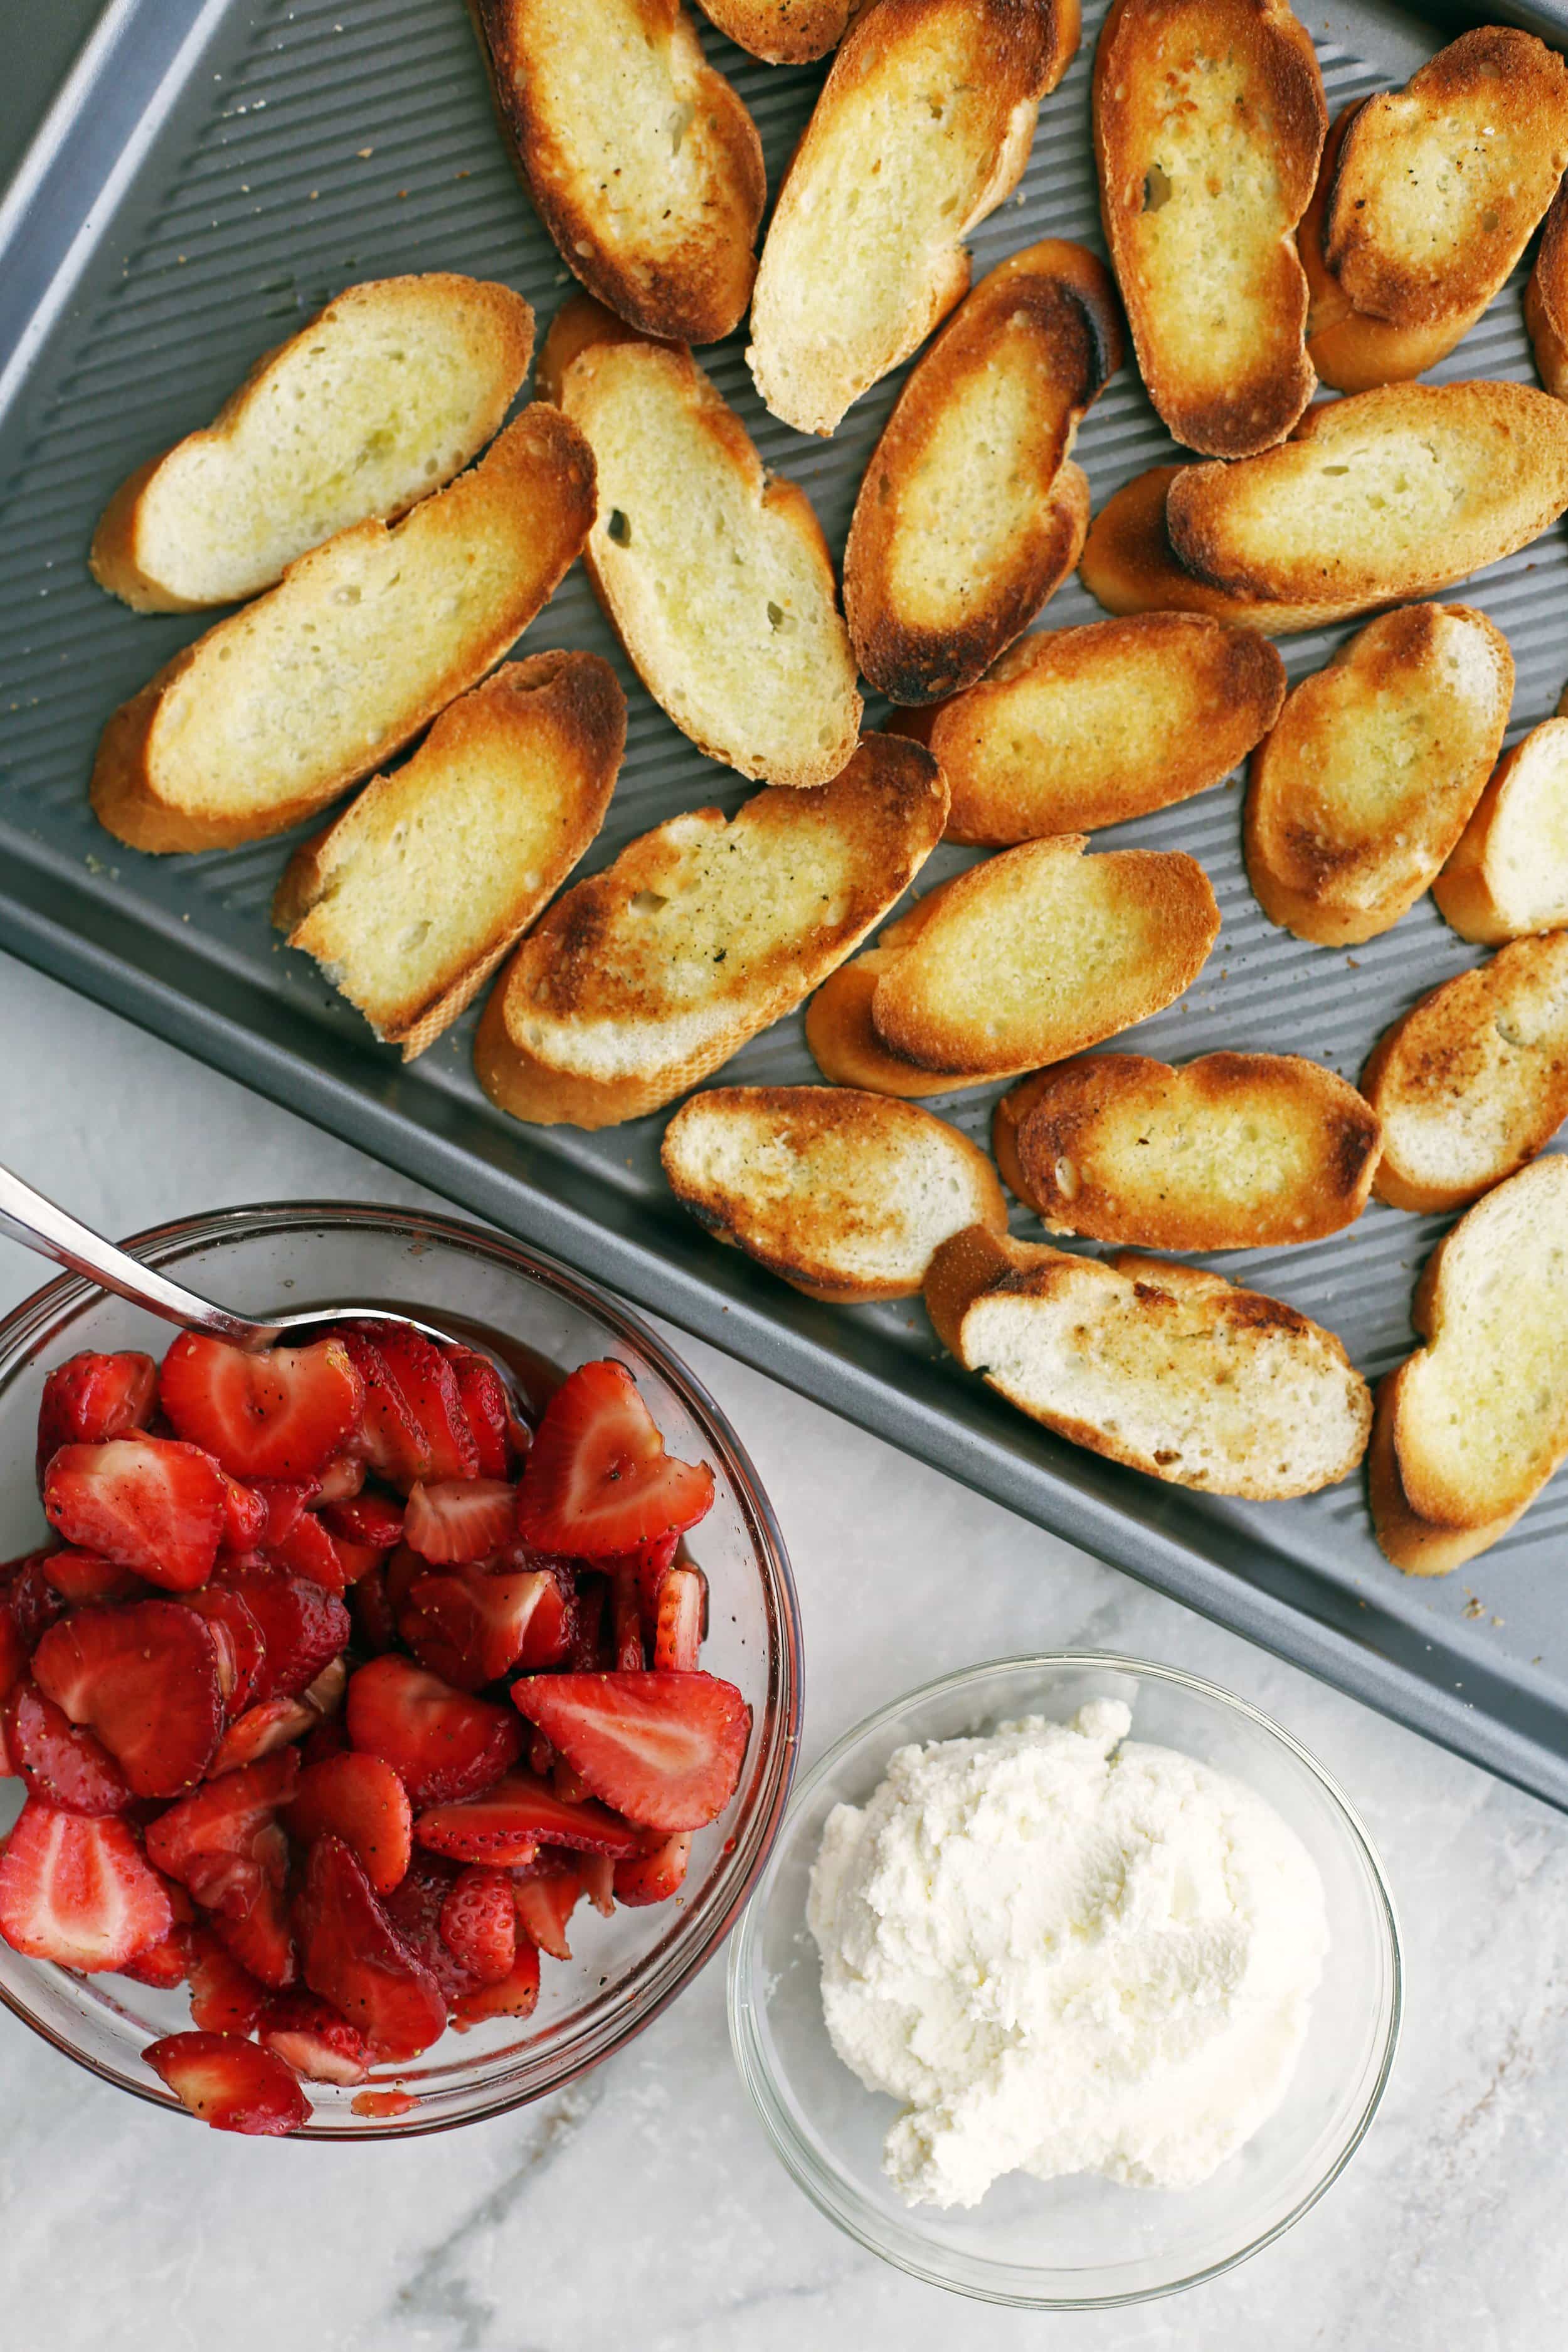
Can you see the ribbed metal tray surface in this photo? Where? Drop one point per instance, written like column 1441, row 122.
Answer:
column 220, row 169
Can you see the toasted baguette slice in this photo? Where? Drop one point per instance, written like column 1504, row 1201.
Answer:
column 1470, row 1427
column 783, row 32
column 1209, row 119
column 278, row 710
column 1232, row 1151
column 1509, row 876
column 1079, row 728
column 923, row 127
column 1172, row 1371
column 1350, row 350
column 643, row 979
column 1032, row 956
column 618, row 97
column 847, row 1195
column 715, row 574
column 1127, row 566
column 960, row 533
column 1474, row 1081
column 1439, row 185
column 385, row 396
column 1387, row 495
column 1360, row 793
column 409, row 902
column 1546, row 300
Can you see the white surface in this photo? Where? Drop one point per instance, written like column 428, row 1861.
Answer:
column 644, row 2209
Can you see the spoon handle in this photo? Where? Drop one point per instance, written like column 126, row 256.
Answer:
column 26, row 1217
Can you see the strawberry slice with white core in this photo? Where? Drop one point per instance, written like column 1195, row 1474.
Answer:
column 163, row 1966
column 509, row 1823
column 441, row 1743
column 230, row 2084
column 82, row 1578
column 654, row 1877
column 470, row 1625
column 240, row 1665
column 245, row 1516
column 344, row 1475
column 280, row 1413
column 209, row 1840
column 90, row 1398
column 150, row 1504
column 261, row 1731
column 304, row 1626
column 375, row 1520
column 79, row 1891
column 517, row 1995
column 597, row 1478
column 390, row 1439
column 145, row 1679
column 486, row 1408
column 478, row 1923
column 429, row 1388
column 310, row 2035
column 544, row 1905
column 62, row 1765
column 352, row 1956
column 361, row 1799
column 308, row 1550
column 666, row 1750
column 458, row 1519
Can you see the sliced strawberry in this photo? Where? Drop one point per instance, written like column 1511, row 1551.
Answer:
column 404, row 1570
column 79, row 1891
column 486, row 1408
column 390, row 1438
column 654, row 1877
column 342, row 1477
column 239, row 1667
column 471, row 1625
column 509, row 1822
column 457, row 1519
column 414, row 1907
column 261, row 1731
column 261, row 1937
column 478, row 1923
column 162, row 1966
column 145, row 1679
column 309, row 1551
column 383, row 2105
column 330, row 1737
column 567, row 1781
column 650, row 1563
column 517, row 1994
column 63, row 1765
column 544, row 1905
column 284, row 1498
column 90, row 1398
column 281, row 1413
column 354, row 1957
column 678, row 1628
column 304, row 1626
column 361, row 1799
column 588, row 1647
column 541, row 1756
column 243, row 1516
column 225, row 1997
column 81, row 1578
column 626, row 1622
column 208, row 1840
column 375, row 1626
column 428, row 1387
column 598, row 1875
column 373, row 1519
column 145, row 1503
column 313, row 2038
column 230, row 2084
column 666, row 1750
column 597, row 1478
column 30, row 1600
column 356, row 1560
column 441, row 1743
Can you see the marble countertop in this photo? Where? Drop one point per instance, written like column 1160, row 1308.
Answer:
column 645, row 2205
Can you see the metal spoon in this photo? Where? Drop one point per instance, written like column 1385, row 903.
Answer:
column 26, row 1217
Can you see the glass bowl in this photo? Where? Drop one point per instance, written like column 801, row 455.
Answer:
column 624, row 1968
column 1084, row 2241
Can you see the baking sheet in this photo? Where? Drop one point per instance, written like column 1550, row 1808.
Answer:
column 215, row 171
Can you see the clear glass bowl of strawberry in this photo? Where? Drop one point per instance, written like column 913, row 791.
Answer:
column 389, row 1740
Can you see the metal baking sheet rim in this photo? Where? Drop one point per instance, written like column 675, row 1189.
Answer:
column 110, row 109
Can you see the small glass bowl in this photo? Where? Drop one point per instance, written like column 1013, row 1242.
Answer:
column 1082, row 2242
column 471, row 1283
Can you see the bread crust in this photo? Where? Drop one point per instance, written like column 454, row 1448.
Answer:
column 122, row 558
column 1173, row 140
column 1546, row 300
column 1349, row 351
column 1333, row 854
column 814, row 1242
column 534, row 486
column 1074, row 729
column 1477, row 1071
column 783, row 32
column 1201, row 1332
column 607, row 378
column 1491, row 467
column 570, row 710
column 1046, row 323
column 1230, row 1151
column 686, row 269
column 951, row 87
column 1472, row 889
column 585, row 1027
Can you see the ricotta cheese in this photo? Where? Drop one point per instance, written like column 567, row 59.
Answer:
column 1065, row 1951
